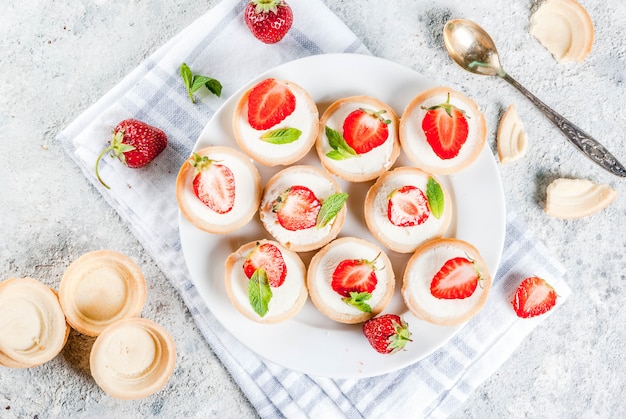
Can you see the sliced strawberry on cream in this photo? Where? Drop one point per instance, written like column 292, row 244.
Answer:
column 297, row 208
column 275, row 122
column 442, row 131
column 266, row 281
column 446, row 282
column 224, row 195
column 350, row 280
column 407, row 206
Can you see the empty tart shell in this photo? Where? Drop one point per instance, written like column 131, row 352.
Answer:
column 320, row 274
column 413, row 138
column 322, row 185
column 247, row 192
column 564, row 28
column 427, row 261
column 132, row 358
column 406, row 238
column 100, row 288
column 255, row 143
column 511, row 137
column 287, row 299
column 577, row 198
column 363, row 166
column 33, row 329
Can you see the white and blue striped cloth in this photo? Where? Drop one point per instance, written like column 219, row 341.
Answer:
column 219, row 43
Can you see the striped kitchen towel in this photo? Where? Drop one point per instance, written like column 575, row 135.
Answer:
column 219, row 43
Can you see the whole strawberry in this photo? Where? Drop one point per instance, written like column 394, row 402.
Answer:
column 387, row 333
column 268, row 20
column 135, row 143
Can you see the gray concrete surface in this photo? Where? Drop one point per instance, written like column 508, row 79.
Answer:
column 59, row 57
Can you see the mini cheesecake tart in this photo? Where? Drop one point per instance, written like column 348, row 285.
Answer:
column 303, row 208
column 218, row 189
column 350, row 280
column 132, row 358
column 273, row 296
column 275, row 122
column 442, row 131
column 358, row 138
column 446, row 282
column 33, row 329
column 406, row 207
column 100, row 288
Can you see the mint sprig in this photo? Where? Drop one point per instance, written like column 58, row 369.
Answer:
column 330, row 208
column 281, row 135
column 193, row 82
column 435, row 197
column 340, row 149
column 358, row 300
column 259, row 292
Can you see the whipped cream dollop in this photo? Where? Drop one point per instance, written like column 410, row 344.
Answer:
column 344, row 250
column 284, row 298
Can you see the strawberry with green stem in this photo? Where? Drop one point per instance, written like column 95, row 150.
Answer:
column 363, row 130
column 446, row 129
column 355, row 280
column 387, row 334
column 213, row 183
column 135, row 144
column 268, row 20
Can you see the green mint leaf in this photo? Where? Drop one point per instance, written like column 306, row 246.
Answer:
column 330, row 208
column 187, row 76
column 434, row 194
column 357, row 299
column 281, row 135
column 193, row 82
column 259, row 292
column 338, row 144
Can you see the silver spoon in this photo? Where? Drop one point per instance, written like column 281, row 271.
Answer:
column 473, row 49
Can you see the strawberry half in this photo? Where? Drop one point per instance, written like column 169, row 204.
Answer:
column 270, row 258
column 365, row 129
column 213, row 184
column 269, row 103
column 355, row 280
column 268, row 20
column 387, row 334
column 457, row 279
column 534, row 297
column 446, row 129
column 407, row 206
column 297, row 208
column 135, row 144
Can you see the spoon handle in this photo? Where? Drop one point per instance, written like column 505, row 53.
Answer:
column 580, row 138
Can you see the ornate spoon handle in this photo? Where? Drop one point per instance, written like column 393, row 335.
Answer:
column 585, row 143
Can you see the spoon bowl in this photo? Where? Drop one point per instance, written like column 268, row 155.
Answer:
column 471, row 47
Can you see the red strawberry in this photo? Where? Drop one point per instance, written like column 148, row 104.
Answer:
column 297, row 208
column 268, row 20
column 365, row 129
column 135, row 143
column 270, row 258
column 387, row 334
column 534, row 296
column 354, row 275
column 407, row 206
column 446, row 129
column 213, row 184
column 269, row 102
column 457, row 279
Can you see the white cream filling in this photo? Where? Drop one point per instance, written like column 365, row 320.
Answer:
column 303, row 118
column 364, row 163
column 324, row 274
column 321, row 187
column 283, row 297
column 244, row 193
column 415, row 139
column 410, row 234
column 420, row 276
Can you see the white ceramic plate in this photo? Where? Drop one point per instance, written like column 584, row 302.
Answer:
column 310, row 342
